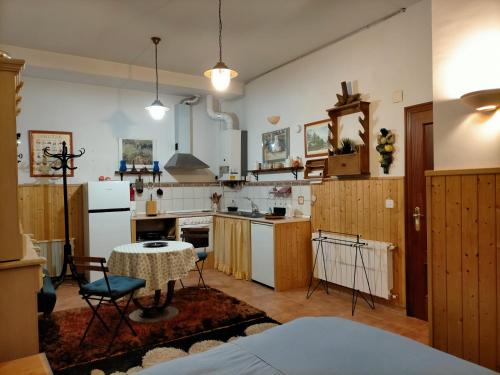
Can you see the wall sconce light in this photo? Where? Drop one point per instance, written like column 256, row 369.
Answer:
column 484, row 100
column 273, row 120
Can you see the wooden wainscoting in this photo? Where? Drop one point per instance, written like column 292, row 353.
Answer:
column 41, row 212
column 358, row 207
column 464, row 263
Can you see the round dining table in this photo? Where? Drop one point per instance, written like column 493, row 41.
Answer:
column 159, row 263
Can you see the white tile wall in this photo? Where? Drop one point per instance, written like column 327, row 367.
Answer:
column 198, row 198
column 264, row 200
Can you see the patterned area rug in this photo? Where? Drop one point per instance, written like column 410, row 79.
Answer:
column 203, row 315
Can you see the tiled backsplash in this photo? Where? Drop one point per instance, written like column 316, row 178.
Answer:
column 197, row 197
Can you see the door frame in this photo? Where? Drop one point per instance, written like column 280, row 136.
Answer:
column 408, row 111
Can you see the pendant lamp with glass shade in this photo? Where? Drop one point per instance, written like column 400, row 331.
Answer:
column 220, row 74
column 156, row 109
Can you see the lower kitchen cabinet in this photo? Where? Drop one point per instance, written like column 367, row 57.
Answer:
column 232, row 247
column 276, row 254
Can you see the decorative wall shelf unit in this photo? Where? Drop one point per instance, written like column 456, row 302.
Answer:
column 293, row 170
column 350, row 164
column 316, row 165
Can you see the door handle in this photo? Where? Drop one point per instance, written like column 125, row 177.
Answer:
column 416, row 217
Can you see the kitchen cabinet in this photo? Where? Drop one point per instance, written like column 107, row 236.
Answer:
column 20, row 266
column 281, row 251
column 232, row 247
column 263, row 253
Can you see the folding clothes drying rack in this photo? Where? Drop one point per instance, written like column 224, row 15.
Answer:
column 355, row 243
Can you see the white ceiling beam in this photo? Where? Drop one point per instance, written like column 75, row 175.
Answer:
column 63, row 67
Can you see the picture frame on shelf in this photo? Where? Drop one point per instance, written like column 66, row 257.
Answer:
column 142, row 152
column 276, row 146
column 316, row 136
column 41, row 165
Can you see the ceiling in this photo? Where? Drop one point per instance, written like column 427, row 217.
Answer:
column 258, row 35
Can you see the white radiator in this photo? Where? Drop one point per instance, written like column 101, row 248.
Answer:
column 53, row 251
column 340, row 260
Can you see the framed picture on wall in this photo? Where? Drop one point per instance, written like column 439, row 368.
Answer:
column 41, row 165
column 142, row 152
column 316, row 136
column 276, row 145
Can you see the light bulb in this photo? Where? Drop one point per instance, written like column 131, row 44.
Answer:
column 157, row 110
column 220, row 79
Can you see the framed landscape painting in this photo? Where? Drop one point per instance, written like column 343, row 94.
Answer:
column 276, row 145
column 41, row 165
column 316, row 136
column 138, row 151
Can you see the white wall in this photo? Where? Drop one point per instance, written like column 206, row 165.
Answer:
column 466, row 57
column 394, row 55
column 98, row 116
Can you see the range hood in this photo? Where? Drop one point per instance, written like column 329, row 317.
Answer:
column 183, row 159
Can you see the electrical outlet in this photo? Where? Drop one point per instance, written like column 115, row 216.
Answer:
column 389, row 203
column 301, row 199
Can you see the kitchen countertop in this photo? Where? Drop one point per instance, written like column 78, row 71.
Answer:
column 175, row 215
column 286, row 220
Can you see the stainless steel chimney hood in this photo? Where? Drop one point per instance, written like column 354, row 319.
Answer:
column 183, row 159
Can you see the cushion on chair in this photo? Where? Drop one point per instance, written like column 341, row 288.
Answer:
column 120, row 285
column 202, row 255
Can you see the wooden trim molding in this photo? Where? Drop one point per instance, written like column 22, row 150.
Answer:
column 11, row 65
column 463, row 172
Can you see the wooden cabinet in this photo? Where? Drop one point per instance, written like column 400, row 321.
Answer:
column 292, row 255
column 291, row 246
column 20, row 271
column 10, row 236
column 344, row 165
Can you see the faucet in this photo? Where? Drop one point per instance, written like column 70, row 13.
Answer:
column 255, row 208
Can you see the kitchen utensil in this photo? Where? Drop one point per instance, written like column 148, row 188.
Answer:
column 139, row 185
column 279, row 211
column 233, row 207
column 159, row 192
column 151, row 207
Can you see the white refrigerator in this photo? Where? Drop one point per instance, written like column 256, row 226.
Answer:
column 106, row 218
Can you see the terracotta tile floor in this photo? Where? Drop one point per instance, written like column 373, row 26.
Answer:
column 285, row 306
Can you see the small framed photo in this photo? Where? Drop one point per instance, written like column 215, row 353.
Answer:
column 142, row 152
column 41, row 165
column 276, row 145
column 316, row 136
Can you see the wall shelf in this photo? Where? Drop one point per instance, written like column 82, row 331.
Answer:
column 293, row 170
column 138, row 172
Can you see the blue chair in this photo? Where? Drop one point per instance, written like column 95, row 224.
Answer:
column 198, row 237
column 106, row 290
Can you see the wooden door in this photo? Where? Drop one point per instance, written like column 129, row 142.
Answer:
column 419, row 158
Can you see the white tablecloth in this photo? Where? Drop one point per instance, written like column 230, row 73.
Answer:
column 155, row 265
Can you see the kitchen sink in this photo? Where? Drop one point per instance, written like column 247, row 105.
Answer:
column 254, row 215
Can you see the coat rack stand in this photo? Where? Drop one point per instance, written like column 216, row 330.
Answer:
column 64, row 157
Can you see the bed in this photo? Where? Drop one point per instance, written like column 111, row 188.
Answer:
column 316, row 346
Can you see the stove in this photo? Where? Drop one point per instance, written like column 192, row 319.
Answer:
column 196, row 219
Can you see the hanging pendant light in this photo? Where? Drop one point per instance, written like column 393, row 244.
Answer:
column 156, row 109
column 220, row 74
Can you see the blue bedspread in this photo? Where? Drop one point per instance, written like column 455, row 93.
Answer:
column 316, row 346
